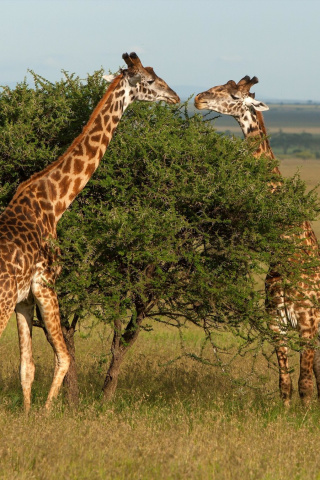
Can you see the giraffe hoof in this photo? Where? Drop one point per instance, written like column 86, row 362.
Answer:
column 287, row 402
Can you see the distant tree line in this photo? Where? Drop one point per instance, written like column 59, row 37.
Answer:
column 304, row 145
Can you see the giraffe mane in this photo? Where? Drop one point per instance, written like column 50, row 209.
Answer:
column 57, row 162
column 264, row 130
column 261, row 122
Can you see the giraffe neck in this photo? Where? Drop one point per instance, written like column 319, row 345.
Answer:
column 252, row 126
column 59, row 183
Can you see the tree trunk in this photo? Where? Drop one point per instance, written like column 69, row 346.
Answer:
column 121, row 343
column 111, row 380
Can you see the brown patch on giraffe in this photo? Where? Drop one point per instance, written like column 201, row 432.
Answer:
column 52, row 189
column 51, row 219
column 95, row 138
column 64, row 186
column 23, row 237
column 18, row 209
column 78, row 166
column 29, row 236
column 90, row 149
column 36, row 207
column 45, row 205
column 97, row 125
column 105, row 140
column 90, row 169
column 59, row 208
column 20, row 221
column 119, row 93
column 41, row 189
column 67, row 165
column 76, row 188
column 56, row 175
column 79, row 150
column 110, row 99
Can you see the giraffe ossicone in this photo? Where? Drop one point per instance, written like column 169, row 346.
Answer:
column 287, row 307
column 28, row 224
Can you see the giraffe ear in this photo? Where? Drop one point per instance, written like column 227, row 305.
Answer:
column 109, row 78
column 134, row 79
column 256, row 104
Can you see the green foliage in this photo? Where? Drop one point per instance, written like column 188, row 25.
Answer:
column 38, row 124
column 177, row 221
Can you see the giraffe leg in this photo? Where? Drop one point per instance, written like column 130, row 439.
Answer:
column 309, row 361
column 316, row 365
column 275, row 307
column 8, row 291
column 24, row 314
column 305, row 378
column 49, row 308
column 309, row 356
column 285, row 382
column 5, row 315
column 9, row 298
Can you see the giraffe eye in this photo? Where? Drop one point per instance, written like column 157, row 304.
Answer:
column 234, row 97
column 150, row 82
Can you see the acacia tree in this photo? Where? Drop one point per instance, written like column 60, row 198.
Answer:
column 173, row 225
column 177, row 222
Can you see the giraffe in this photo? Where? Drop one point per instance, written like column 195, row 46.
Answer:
column 236, row 100
column 27, row 226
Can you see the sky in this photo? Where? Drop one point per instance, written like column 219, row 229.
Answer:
column 192, row 44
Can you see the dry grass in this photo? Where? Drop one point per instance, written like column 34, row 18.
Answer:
column 309, row 171
column 180, row 420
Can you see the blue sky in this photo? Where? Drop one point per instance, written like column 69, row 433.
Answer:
column 190, row 43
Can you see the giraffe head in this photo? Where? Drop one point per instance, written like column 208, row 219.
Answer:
column 231, row 99
column 144, row 83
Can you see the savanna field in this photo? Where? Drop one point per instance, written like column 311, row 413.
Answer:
column 169, row 420
column 173, row 417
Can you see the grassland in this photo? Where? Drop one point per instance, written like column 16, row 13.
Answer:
column 169, row 420
column 180, row 420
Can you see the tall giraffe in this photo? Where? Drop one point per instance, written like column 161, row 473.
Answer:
column 236, row 100
column 27, row 259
